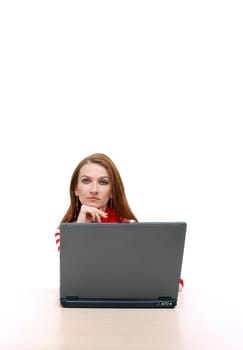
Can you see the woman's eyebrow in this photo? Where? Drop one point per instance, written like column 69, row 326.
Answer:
column 102, row 177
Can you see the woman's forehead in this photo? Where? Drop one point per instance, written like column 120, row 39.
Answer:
column 93, row 170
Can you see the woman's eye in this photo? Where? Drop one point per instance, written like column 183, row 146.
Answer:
column 104, row 182
column 85, row 181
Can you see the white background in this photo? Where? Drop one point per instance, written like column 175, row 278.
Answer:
column 157, row 86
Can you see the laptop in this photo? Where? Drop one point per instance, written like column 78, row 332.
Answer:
column 131, row 265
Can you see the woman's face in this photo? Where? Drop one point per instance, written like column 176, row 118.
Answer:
column 94, row 186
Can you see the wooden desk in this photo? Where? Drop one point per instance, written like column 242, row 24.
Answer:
column 33, row 319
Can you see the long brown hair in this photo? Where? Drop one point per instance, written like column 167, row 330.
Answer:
column 119, row 201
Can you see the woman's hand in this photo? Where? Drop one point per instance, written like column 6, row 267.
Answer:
column 90, row 214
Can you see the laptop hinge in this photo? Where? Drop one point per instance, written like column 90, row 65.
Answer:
column 73, row 297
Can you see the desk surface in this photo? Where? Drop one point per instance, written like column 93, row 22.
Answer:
column 33, row 319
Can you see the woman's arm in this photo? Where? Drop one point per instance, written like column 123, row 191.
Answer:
column 57, row 237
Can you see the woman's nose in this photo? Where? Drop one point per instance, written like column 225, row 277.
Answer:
column 93, row 187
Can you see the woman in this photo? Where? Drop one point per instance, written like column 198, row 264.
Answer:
column 97, row 193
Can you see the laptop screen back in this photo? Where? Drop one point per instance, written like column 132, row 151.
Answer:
column 121, row 260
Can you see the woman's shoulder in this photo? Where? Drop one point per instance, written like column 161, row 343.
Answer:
column 128, row 220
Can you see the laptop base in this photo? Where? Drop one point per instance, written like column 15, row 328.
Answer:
column 75, row 302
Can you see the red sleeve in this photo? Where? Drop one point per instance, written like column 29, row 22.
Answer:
column 57, row 237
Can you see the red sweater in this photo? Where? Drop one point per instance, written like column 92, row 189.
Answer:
column 111, row 217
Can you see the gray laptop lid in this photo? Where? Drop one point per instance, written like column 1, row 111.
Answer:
column 134, row 263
